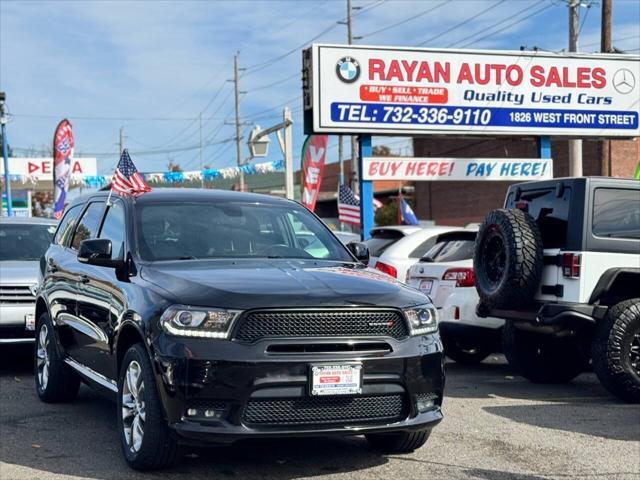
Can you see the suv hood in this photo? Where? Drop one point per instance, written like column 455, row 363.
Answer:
column 242, row 285
column 18, row 272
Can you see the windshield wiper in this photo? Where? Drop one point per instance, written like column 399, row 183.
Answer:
column 188, row 257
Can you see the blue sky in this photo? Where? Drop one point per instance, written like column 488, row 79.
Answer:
column 153, row 66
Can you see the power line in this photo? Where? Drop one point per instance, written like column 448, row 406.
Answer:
column 516, row 22
column 501, row 22
column 277, row 82
column 260, row 66
column 458, row 25
column 630, row 37
column 406, row 20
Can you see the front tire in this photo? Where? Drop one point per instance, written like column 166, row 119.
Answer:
column 542, row 358
column 465, row 351
column 55, row 381
column 147, row 443
column 616, row 350
column 398, row 442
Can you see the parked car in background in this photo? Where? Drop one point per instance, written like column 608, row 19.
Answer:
column 400, row 255
column 23, row 241
column 347, row 237
column 445, row 273
column 383, row 237
column 261, row 325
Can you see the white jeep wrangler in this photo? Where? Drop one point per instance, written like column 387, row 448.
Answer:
column 561, row 264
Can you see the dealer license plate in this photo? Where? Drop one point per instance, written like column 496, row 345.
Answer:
column 425, row 286
column 30, row 321
column 336, row 379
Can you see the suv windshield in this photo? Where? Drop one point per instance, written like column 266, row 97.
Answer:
column 196, row 230
column 24, row 241
column 452, row 247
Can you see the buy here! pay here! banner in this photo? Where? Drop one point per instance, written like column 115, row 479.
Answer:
column 399, row 91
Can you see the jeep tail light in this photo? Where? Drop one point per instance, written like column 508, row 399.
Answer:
column 464, row 277
column 571, row 265
column 388, row 269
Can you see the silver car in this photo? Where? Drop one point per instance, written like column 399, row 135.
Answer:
column 23, row 241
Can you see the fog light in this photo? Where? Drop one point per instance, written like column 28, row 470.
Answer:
column 425, row 401
column 212, row 413
column 192, row 412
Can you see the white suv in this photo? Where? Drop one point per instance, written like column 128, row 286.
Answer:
column 561, row 263
column 445, row 273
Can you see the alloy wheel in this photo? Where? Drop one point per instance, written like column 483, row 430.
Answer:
column 42, row 353
column 133, row 406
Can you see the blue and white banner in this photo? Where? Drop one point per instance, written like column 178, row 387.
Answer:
column 401, row 91
column 417, row 169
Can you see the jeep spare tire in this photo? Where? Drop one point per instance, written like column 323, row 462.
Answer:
column 508, row 259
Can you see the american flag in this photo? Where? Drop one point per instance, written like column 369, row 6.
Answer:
column 127, row 180
column 349, row 205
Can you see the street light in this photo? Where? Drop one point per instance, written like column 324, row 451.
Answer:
column 258, row 144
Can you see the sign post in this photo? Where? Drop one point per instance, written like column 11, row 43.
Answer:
column 366, row 189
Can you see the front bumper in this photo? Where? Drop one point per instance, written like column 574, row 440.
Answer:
column 12, row 323
column 230, row 378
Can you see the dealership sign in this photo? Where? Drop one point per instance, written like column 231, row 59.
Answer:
column 42, row 168
column 384, row 90
column 416, row 169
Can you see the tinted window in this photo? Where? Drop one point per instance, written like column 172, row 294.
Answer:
column 452, row 248
column 65, row 227
column 616, row 213
column 89, row 223
column 423, row 248
column 113, row 229
column 381, row 240
column 550, row 212
column 170, row 231
column 24, row 241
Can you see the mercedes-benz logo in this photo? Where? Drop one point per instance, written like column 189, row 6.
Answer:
column 624, row 81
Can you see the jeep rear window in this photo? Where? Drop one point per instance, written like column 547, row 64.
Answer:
column 616, row 213
column 549, row 211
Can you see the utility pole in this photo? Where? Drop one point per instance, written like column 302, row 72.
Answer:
column 121, row 140
column 606, row 47
column 236, row 83
column 354, row 153
column 575, row 145
column 288, row 153
column 5, row 154
column 200, row 151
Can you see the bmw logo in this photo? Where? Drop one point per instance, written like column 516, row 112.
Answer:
column 348, row 69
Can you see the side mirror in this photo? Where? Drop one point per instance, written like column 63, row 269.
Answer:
column 97, row 251
column 360, row 251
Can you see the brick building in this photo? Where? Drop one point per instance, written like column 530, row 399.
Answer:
column 459, row 203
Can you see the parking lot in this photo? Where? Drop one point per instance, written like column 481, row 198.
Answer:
column 496, row 426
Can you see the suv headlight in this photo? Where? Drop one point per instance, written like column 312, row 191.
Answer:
column 202, row 322
column 422, row 319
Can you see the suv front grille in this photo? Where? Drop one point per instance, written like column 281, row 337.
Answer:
column 332, row 323
column 16, row 294
column 326, row 410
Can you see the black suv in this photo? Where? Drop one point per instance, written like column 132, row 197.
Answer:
column 217, row 316
column 561, row 263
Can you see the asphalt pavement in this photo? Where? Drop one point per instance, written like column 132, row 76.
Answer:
column 497, row 426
